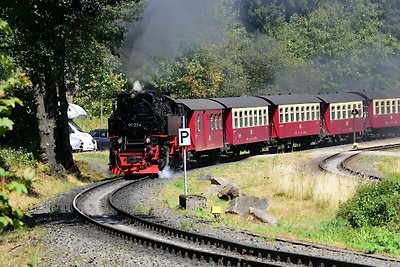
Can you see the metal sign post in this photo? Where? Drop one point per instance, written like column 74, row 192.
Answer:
column 184, row 140
column 184, row 172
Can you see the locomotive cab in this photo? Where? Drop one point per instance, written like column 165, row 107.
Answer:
column 143, row 131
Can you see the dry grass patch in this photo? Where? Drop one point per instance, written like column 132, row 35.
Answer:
column 300, row 199
column 389, row 165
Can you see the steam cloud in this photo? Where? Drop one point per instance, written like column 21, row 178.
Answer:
column 165, row 28
column 166, row 173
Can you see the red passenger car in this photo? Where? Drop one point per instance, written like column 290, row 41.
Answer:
column 295, row 118
column 343, row 113
column 383, row 109
column 204, row 118
column 246, row 123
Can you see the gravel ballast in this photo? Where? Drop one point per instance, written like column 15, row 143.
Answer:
column 73, row 242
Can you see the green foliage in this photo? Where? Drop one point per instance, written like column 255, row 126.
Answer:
column 11, row 216
column 196, row 74
column 374, row 205
column 346, row 43
column 10, row 77
column 384, row 241
column 12, row 159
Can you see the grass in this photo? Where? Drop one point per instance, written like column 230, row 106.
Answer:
column 27, row 247
column 389, row 165
column 22, row 248
column 304, row 202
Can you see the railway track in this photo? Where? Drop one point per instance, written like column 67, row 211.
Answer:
column 338, row 163
column 96, row 205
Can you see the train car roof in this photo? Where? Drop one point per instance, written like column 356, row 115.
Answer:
column 340, row 97
column 242, row 102
column 384, row 94
column 200, row 104
column 291, row 99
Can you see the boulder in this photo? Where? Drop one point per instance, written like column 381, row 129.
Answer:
column 241, row 205
column 192, row 202
column 218, row 181
column 263, row 216
column 205, row 176
column 229, row 191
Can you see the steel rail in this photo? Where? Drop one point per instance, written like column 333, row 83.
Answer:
column 178, row 250
column 343, row 163
column 263, row 253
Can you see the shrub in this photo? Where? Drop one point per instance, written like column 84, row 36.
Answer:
column 12, row 159
column 374, row 204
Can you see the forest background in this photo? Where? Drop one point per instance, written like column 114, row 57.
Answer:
column 190, row 49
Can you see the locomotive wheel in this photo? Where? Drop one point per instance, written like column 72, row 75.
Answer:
column 176, row 161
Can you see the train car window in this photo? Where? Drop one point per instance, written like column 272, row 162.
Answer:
column 344, row 112
column 308, row 116
column 211, row 122
column 312, row 113
column 333, row 117
column 260, row 120
column 235, row 120
column 265, row 118
column 291, row 114
column 387, row 107
column 297, row 113
column 349, row 109
column 246, row 119
column 382, row 107
column 302, row 114
column 220, row 121
column 281, row 115
column 240, row 119
column 398, row 106
column 376, row 103
column 250, row 118
column 338, row 112
column 198, row 122
column 359, row 107
column 317, row 114
column 393, row 106
column 216, row 121
column 255, row 114
column 286, row 119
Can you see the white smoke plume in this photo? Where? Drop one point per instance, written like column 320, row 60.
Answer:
column 165, row 27
column 137, row 87
column 166, row 173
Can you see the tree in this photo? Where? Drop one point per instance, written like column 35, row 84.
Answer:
column 194, row 75
column 345, row 42
column 10, row 76
column 56, row 40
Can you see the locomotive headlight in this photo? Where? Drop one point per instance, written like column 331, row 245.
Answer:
column 148, row 140
column 120, row 140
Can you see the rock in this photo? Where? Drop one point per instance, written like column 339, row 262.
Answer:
column 218, row 181
column 192, row 202
column 241, row 205
column 205, row 176
column 229, row 191
column 263, row 216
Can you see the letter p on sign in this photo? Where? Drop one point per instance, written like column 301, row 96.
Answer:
column 184, row 137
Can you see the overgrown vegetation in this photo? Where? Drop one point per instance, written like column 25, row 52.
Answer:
column 272, row 46
column 309, row 206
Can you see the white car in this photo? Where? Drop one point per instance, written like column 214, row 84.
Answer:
column 76, row 143
column 76, row 133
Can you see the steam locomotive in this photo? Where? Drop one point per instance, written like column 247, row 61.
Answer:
column 144, row 126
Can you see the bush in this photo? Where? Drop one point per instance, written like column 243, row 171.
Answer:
column 374, row 204
column 12, row 159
